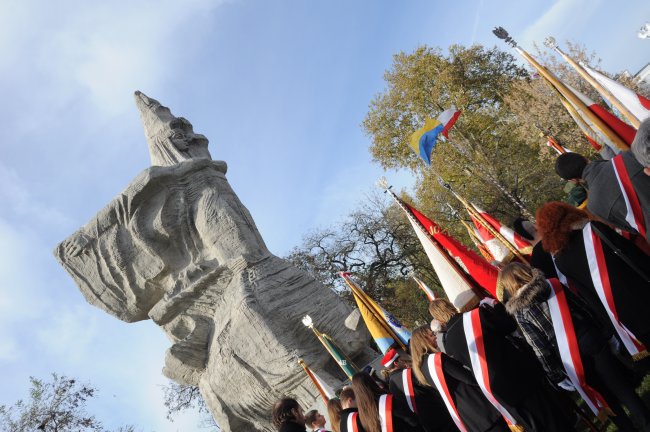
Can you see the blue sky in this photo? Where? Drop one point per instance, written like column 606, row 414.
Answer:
column 279, row 88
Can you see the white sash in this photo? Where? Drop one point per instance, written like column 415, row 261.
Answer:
column 385, row 409
column 434, row 361
column 407, row 383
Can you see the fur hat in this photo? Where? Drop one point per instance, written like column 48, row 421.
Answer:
column 641, row 145
column 570, row 165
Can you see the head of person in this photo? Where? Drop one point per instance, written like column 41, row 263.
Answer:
column 314, row 419
column 569, row 166
column 367, row 393
column 640, row 147
column 526, row 229
column 287, row 410
column 423, row 342
column 395, row 359
column 442, row 310
column 334, row 412
column 513, row 277
column 555, row 222
column 347, row 398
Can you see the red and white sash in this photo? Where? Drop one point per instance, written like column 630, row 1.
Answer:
column 434, row 362
column 385, row 409
column 476, row 347
column 409, row 391
column 351, row 422
column 634, row 214
column 567, row 343
column 600, row 279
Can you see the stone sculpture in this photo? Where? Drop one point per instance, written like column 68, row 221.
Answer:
column 178, row 247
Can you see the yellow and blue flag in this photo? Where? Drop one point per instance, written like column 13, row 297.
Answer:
column 425, row 139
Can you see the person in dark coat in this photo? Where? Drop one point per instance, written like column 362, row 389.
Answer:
column 572, row 239
column 426, row 405
column 349, row 414
column 368, row 395
column 476, row 413
column 527, row 294
column 513, row 376
column 606, row 199
column 287, row 416
column 315, row 421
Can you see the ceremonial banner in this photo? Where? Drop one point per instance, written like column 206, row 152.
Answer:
column 325, row 391
column 521, row 244
column 427, row 291
column 425, row 139
column 385, row 329
column 331, row 348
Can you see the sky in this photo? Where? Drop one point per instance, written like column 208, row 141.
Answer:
column 280, row 89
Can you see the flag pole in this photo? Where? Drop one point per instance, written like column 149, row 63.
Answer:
column 478, row 242
column 323, row 338
column 474, row 213
column 550, row 42
column 379, row 317
column 311, row 376
column 501, row 33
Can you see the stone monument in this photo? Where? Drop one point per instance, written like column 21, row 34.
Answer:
column 178, row 247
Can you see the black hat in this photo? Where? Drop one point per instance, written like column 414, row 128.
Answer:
column 570, row 165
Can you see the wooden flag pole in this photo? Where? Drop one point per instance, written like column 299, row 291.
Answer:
column 566, row 92
column 311, row 376
column 550, row 42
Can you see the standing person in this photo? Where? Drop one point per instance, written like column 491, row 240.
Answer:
column 379, row 411
column 619, row 189
column 350, row 421
column 424, row 403
column 569, row 167
column 463, row 398
column 334, row 409
column 315, row 421
column 508, row 377
column 609, row 271
column 287, row 416
column 570, row 344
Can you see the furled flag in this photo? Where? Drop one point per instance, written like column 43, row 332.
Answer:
column 424, row 139
column 560, row 149
column 635, row 103
column 462, row 272
column 494, row 244
column 385, row 329
column 325, row 390
column 427, row 291
column 344, row 363
column 478, row 242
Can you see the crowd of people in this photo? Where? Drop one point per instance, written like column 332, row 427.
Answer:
column 570, row 322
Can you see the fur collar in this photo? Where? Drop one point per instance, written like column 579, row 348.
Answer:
column 529, row 293
column 578, row 225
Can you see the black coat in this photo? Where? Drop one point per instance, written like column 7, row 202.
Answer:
column 605, row 196
column 343, row 425
column 476, row 412
column 631, row 291
column 514, row 374
column 431, row 410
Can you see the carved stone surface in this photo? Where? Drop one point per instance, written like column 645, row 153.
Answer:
column 178, row 247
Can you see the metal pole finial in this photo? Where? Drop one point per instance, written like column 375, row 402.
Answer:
column 502, row 33
column 550, row 42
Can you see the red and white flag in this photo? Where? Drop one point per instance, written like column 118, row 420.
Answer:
column 427, row 291
column 498, row 250
column 634, row 102
column 560, row 149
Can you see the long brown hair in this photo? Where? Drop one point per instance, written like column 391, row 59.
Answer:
column 366, row 393
column 334, row 413
column 442, row 310
column 555, row 221
column 514, row 276
column 420, row 347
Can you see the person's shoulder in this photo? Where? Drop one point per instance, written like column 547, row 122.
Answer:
column 595, row 168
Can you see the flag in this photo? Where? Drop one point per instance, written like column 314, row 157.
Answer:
column 560, row 149
column 427, row 291
column 424, row 139
column 462, row 273
column 636, row 104
column 325, row 390
column 580, row 109
column 385, row 329
column 522, row 245
column 344, row 363
column 478, row 242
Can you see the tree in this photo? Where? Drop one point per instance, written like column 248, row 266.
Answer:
column 54, row 406
column 178, row 398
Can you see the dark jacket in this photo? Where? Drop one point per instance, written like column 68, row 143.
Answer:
column 430, row 408
column 474, row 410
column 605, row 196
column 576, row 194
column 631, row 291
column 292, row 427
column 343, row 425
column 530, row 308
